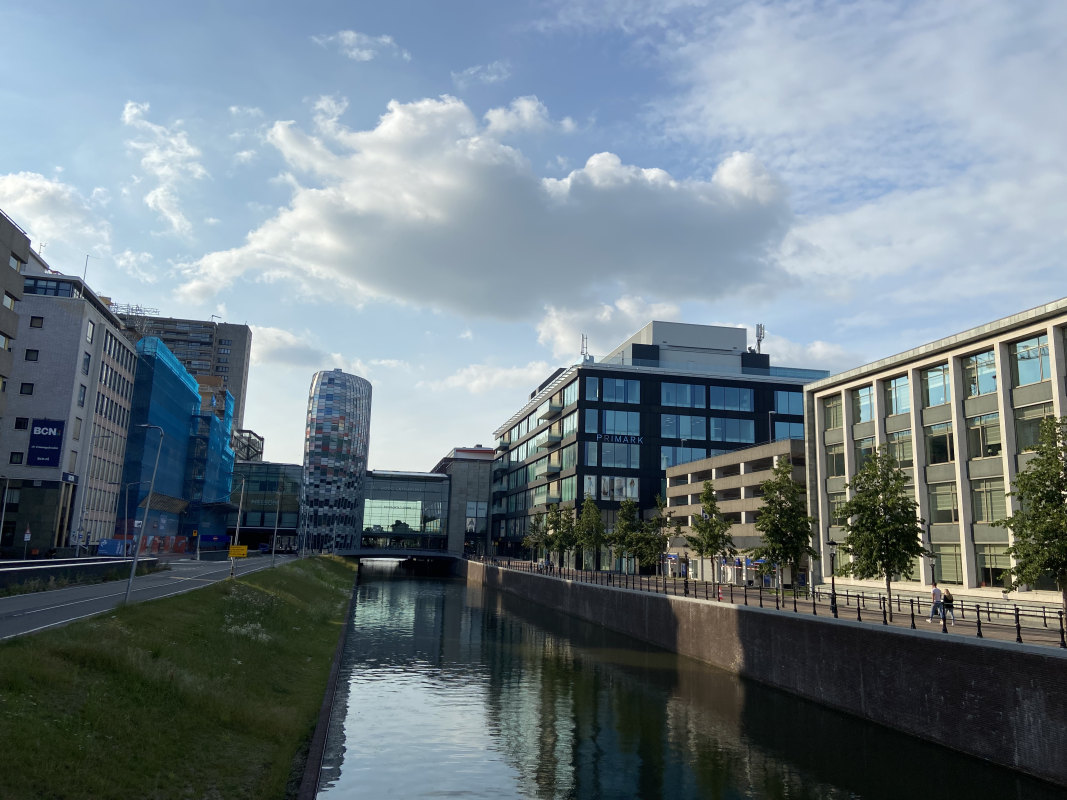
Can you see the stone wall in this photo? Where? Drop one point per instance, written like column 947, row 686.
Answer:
column 1003, row 702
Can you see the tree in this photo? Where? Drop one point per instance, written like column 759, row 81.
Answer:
column 623, row 537
column 711, row 533
column 536, row 533
column 883, row 531
column 1039, row 525
column 589, row 529
column 654, row 536
column 784, row 522
column 563, row 536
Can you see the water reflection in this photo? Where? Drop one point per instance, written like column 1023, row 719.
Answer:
column 456, row 691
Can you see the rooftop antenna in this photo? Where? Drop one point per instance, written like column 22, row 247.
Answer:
column 41, row 247
column 86, row 270
column 585, row 348
column 761, row 332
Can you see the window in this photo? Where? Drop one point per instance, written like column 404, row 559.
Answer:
column 592, row 388
column 863, row 404
column 669, row 456
column 14, row 262
column 836, row 502
column 36, row 322
column 682, row 394
column 1029, row 361
column 940, row 448
column 26, row 388
column 5, row 342
column 570, row 424
column 994, row 566
column 590, row 454
column 864, row 450
column 730, row 398
column 86, row 362
column 789, row 403
column 987, row 500
column 570, row 394
column 788, row 430
column 625, row 423
column 899, row 446
column 732, row 430
column 77, row 430
column 32, row 355
column 9, row 301
column 983, row 436
column 1028, row 425
column 22, row 423
column 936, row 388
column 81, row 396
column 943, row 505
column 625, row 456
column 835, row 461
column 897, row 396
column 90, row 332
column 224, row 351
column 15, row 458
column 591, row 415
column 617, row 390
column 681, row 426
column 980, row 374
column 225, row 341
column 831, row 412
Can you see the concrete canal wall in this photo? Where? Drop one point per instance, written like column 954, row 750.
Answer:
column 1003, row 702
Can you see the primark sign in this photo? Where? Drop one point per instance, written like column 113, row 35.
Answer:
column 619, row 439
column 46, row 443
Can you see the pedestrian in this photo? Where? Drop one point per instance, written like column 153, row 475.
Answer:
column 935, row 603
column 946, row 606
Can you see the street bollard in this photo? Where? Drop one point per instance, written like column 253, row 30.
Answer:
column 859, row 616
column 1063, row 641
column 761, row 596
column 746, row 594
column 944, row 620
column 1018, row 627
column 911, row 603
column 814, row 612
column 885, row 619
column 978, row 618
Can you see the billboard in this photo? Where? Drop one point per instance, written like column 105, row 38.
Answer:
column 46, row 443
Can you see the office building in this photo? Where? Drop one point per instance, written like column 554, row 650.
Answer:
column 218, row 350
column 69, row 404
column 15, row 249
column 609, row 429
column 960, row 415
column 470, row 477
column 407, row 511
column 336, row 441
column 269, row 505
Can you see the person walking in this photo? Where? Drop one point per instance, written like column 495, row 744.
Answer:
column 946, row 606
column 935, row 603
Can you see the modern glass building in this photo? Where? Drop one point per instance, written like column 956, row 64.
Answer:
column 271, row 503
column 406, row 511
column 609, row 429
column 960, row 415
column 336, row 441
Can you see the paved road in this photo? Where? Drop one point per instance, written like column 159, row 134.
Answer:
column 27, row 613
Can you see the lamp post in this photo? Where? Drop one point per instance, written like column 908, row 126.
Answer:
column 237, row 531
column 3, row 507
column 833, row 586
column 277, row 514
column 147, row 508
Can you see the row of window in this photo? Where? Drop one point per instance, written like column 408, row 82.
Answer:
column 988, row 503
column 1029, row 362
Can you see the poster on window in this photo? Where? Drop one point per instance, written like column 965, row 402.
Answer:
column 620, row 489
column 631, row 488
column 590, row 486
column 605, row 487
column 46, row 443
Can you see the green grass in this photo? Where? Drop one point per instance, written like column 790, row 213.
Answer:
column 210, row 694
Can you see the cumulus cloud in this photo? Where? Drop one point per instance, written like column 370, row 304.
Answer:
column 52, row 211
column 605, row 325
column 494, row 72
column 246, row 111
column 137, row 265
column 430, row 208
column 361, row 46
column 169, row 158
column 523, row 114
column 483, row 378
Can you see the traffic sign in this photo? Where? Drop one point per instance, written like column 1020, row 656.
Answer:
column 238, row 551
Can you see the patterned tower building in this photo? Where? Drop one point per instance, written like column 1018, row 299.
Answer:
column 335, row 460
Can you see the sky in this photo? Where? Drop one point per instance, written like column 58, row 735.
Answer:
column 443, row 198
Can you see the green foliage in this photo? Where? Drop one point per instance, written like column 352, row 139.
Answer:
column 590, row 526
column 627, row 527
column 711, row 533
column 883, row 532
column 654, row 535
column 1040, row 524
column 537, row 534
column 784, row 522
column 563, row 536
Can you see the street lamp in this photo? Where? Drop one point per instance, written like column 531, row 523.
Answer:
column 237, row 531
column 833, row 585
column 147, row 508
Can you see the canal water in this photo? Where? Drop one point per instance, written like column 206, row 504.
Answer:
column 454, row 691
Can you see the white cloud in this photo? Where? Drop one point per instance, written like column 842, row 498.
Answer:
column 523, row 114
column 52, row 211
column 138, row 265
column 244, row 156
column 604, row 325
column 279, row 347
column 246, row 111
column 361, row 46
column 482, row 378
column 168, row 156
column 436, row 197
column 494, row 72
column 467, row 334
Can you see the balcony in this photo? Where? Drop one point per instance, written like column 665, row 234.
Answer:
column 552, row 469
column 552, row 411
column 499, row 471
column 503, row 444
column 552, row 440
column 499, row 494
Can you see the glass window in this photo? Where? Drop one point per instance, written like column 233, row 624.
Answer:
column 943, row 505
column 835, row 461
column 9, row 301
column 591, row 415
column 987, row 500
column 86, row 362
column 590, row 454
column 682, row 394
column 831, row 412
column 936, row 388
column 730, row 398
column 592, row 388
column 36, row 322
column 624, row 423
column 669, row 456
column 1028, row 425
column 862, row 404
column 1029, row 361
column 681, row 426
column 32, row 355
column 731, row 430
column 26, row 388
column 90, row 332
column 994, row 566
column 940, row 448
column 864, row 450
column 897, row 396
column 948, row 565
column 81, row 396
column 836, row 502
column 789, row 403
column 788, row 430
column 76, row 433
column 22, row 423
column 983, row 436
column 980, row 374
column 568, row 488
column 899, row 446
column 570, row 393
column 15, row 457
column 570, row 424
column 625, row 456
column 617, row 390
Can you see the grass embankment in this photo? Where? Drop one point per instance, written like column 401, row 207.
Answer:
column 210, row 694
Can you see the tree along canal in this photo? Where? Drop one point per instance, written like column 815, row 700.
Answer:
column 449, row 690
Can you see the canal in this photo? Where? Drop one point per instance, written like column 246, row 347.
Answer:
column 449, row 690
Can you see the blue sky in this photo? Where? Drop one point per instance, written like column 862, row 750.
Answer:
column 443, row 198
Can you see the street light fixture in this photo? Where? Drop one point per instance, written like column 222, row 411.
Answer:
column 833, row 567
column 147, row 508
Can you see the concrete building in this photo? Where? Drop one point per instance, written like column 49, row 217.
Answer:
column 69, row 408
column 736, row 477
column 336, row 441
column 610, row 429
column 960, row 415
column 217, row 350
column 15, row 247
column 470, row 477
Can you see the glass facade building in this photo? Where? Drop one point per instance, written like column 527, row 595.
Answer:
column 405, row 511
column 336, row 441
column 271, row 503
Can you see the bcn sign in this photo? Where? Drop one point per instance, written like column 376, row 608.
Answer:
column 46, row 443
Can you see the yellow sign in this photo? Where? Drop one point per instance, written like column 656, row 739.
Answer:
column 238, row 551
